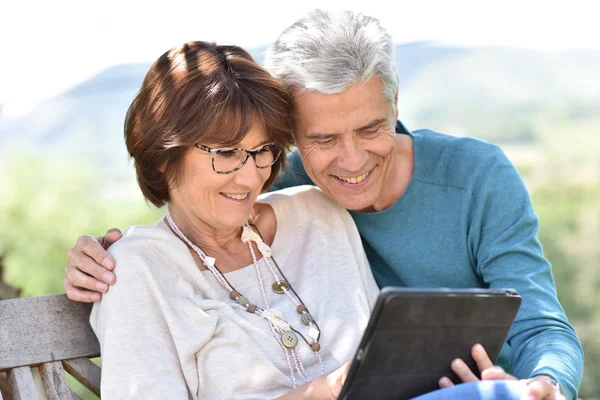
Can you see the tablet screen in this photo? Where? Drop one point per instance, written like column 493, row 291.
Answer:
column 414, row 334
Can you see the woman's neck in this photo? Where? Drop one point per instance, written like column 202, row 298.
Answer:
column 213, row 241
column 224, row 245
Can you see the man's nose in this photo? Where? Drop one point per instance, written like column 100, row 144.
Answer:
column 352, row 157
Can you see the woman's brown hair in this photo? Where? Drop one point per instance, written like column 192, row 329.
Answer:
column 202, row 93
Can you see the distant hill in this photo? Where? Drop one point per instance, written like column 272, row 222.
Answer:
column 84, row 122
column 498, row 94
column 504, row 94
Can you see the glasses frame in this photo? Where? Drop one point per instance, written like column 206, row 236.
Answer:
column 249, row 153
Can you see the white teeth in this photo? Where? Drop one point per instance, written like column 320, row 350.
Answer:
column 236, row 196
column 354, row 180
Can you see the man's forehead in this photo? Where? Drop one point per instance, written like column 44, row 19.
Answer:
column 353, row 109
column 335, row 119
column 338, row 126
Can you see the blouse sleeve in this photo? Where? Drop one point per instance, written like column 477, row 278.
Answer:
column 139, row 326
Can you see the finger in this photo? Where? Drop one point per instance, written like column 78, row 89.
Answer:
column 112, row 235
column 90, row 267
column 80, row 280
column 539, row 389
column 335, row 379
column 81, row 295
column 345, row 369
column 481, row 358
column 445, row 382
column 463, row 371
column 90, row 246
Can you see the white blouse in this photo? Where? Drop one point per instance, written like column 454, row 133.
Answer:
column 169, row 331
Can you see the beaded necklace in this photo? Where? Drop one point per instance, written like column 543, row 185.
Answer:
column 284, row 333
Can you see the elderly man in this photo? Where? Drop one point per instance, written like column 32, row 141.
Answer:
column 432, row 210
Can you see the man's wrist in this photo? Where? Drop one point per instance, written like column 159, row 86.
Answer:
column 555, row 384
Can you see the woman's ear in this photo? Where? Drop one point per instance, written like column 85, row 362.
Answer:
column 163, row 167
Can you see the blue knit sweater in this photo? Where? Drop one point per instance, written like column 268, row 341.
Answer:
column 466, row 221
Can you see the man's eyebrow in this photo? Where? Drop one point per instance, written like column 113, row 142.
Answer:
column 320, row 136
column 371, row 124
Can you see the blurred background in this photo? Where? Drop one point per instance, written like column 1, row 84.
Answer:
column 522, row 75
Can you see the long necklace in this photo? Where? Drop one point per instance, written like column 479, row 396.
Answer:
column 284, row 333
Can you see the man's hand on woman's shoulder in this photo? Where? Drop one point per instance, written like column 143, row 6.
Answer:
column 88, row 272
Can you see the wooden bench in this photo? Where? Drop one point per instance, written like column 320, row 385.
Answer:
column 53, row 334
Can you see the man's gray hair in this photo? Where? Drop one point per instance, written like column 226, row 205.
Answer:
column 327, row 52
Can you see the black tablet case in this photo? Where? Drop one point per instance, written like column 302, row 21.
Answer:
column 414, row 334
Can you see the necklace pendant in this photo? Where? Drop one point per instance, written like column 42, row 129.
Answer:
column 279, row 287
column 277, row 314
column 289, row 339
column 313, row 333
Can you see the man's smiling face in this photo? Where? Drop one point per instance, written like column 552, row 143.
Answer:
column 347, row 142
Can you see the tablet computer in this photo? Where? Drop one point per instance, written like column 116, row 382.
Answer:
column 414, row 334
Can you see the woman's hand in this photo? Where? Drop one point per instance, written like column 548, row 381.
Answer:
column 326, row 387
column 335, row 380
column 538, row 388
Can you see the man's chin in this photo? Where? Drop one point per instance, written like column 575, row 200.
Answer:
column 358, row 202
column 358, row 206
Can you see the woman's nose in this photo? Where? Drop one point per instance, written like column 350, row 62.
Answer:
column 249, row 175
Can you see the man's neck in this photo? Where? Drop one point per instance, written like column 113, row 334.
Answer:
column 400, row 176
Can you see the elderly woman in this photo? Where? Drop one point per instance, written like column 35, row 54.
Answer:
column 226, row 297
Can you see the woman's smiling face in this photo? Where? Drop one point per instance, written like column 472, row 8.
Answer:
column 222, row 201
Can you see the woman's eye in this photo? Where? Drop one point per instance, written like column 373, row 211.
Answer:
column 226, row 153
column 264, row 150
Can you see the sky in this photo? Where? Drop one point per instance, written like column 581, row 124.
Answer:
column 46, row 47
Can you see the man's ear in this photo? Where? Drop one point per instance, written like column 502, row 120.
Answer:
column 396, row 106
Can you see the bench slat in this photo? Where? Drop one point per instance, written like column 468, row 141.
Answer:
column 55, row 381
column 21, row 384
column 86, row 372
column 44, row 329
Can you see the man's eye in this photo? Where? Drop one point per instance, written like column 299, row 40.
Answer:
column 371, row 132
column 325, row 141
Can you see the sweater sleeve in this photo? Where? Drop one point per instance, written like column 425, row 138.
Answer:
column 140, row 324
column 507, row 253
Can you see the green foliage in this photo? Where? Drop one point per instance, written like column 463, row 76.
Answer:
column 570, row 232
column 44, row 208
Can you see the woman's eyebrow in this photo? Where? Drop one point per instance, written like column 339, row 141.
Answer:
column 264, row 143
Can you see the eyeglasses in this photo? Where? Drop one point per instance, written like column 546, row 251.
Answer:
column 230, row 159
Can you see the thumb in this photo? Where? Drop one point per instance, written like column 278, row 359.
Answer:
column 112, row 235
column 337, row 378
column 494, row 373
